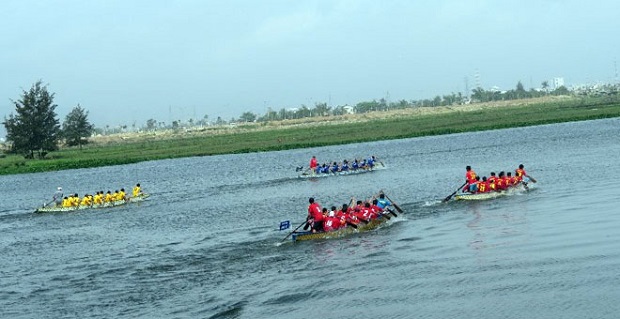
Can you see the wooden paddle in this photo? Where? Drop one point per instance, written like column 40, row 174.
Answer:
column 450, row 196
column 307, row 225
column 392, row 212
column 531, row 178
column 352, row 225
column 45, row 205
column 294, row 230
column 393, row 203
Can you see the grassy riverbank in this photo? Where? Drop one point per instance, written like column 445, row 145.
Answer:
column 316, row 132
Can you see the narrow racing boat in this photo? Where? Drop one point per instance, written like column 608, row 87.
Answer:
column 312, row 174
column 519, row 188
column 339, row 233
column 56, row 209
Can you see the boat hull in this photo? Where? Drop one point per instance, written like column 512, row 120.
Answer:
column 54, row 209
column 492, row 195
column 342, row 232
column 311, row 174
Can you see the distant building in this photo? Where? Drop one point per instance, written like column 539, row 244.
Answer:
column 349, row 109
column 558, row 82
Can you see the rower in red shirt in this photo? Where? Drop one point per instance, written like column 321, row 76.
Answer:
column 483, row 185
column 520, row 174
column 376, row 210
column 313, row 163
column 470, row 178
column 315, row 216
column 331, row 222
column 501, row 182
column 492, row 182
column 512, row 181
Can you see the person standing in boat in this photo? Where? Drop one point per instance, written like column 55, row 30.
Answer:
column 470, row 180
column 315, row 215
column 313, row 163
column 58, row 196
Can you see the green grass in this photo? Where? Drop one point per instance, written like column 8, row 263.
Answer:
column 304, row 137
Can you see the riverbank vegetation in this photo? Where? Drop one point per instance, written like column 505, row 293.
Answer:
column 316, row 131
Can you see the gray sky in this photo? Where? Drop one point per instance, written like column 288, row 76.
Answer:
column 128, row 61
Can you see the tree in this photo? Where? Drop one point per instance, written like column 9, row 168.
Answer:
column 151, row 124
column 76, row 128
column 247, row 117
column 562, row 90
column 545, row 85
column 321, row 109
column 35, row 127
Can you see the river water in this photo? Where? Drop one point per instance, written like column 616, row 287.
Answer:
column 206, row 243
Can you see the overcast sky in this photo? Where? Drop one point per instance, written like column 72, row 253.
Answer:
column 128, row 61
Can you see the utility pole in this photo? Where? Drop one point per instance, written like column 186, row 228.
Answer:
column 466, row 93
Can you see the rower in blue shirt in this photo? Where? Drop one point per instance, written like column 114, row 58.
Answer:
column 371, row 162
column 382, row 202
column 334, row 168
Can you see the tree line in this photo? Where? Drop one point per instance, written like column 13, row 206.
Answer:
column 35, row 129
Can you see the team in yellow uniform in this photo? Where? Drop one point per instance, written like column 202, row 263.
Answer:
column 99, row 198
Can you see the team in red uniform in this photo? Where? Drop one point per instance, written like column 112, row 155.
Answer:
column 501, row 182
column 323, row 220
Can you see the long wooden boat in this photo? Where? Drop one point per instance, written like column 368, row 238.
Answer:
column 520, row 188
column 311, row 174
column 130, row 200
column 339, row 233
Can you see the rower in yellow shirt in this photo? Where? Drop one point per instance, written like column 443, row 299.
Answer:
column 121, row 195
column 108, row 197
column 75, row 200
column 137, row 191
column 66, row 202
column 98, row 199
column 87, row 200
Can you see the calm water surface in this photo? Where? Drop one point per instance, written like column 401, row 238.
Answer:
column 206, row 244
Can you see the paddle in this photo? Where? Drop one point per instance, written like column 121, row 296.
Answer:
column 352, row 225
column 45, row 205
column 525, row 186
column 294, row 230
column 531, row 178
column 450, row 196
column 395, row 205
column 392, row 212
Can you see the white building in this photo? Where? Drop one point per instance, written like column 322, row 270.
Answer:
column 558, row 82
